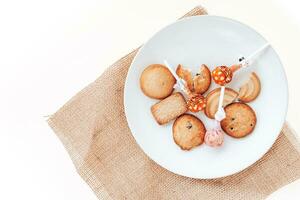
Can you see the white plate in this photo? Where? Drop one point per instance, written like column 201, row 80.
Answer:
column 214, row 41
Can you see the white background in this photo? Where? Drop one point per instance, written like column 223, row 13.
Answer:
column 49, row 50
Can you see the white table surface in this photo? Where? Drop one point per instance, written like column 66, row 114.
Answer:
column 49, row 50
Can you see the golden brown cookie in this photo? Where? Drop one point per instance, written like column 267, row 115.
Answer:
column 169, row 108
column 250, row 90
column 188, row 131
column 212, row 100
column 157, row 81
column 186, row 75
column 202, row 80
column 240, row 120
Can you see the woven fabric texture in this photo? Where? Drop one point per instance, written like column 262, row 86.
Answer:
column 93, row 128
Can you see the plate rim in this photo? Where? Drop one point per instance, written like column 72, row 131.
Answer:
column 282, row 119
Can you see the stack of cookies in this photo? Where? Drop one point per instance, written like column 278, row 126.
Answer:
column 157, row 82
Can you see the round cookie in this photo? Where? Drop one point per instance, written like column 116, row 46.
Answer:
column 240, row 120
column 202, row 80
column 186, row 75
column 212, row 100
column 157, row 81
column 250, row 90
column 188, row 131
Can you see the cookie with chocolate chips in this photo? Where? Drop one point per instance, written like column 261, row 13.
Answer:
column 240, row 120
column 188, row 131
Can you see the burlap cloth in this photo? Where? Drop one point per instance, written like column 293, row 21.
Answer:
column 93, row 129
